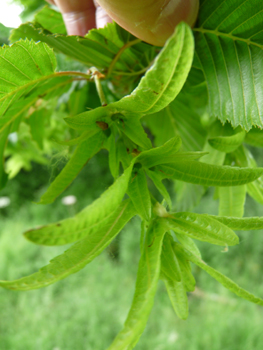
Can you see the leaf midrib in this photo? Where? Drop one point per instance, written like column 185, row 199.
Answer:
column 227, row 35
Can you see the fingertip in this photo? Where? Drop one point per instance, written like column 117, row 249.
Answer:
column 78, row 22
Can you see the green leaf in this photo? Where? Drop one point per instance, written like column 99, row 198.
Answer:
column 160, row 85
column 88, row 221
column 188, row 195
column 146, row 284
column 178, row 119
column 188, row 244
column 83, row 153
column 114, row 163
column 227, row 144
column 77, row 256
column 255, row 188
column 139, row 194
column 98, row 48
column 51, row 20
column 37, row 125
column 202, row 228
column 170, row 267
column 225, row 281
column 187, row 276
column 4, row 34
column 160, row 155
column 178, row 297
column 229, row 45
column 232, row 200
column 131, row 126
column 157, row 180
column 255, row 137
column 245, row 224
column 209, row 175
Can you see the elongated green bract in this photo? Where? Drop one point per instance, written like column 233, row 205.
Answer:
column 227, row 144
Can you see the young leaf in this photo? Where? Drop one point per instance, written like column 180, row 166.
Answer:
column 139, row 194
column 160, row 85
column 202, row 228
column 170, row 266
column 160, row 155
column 114, row 163
column 84, row 151
column 229, row 45
column 157, row 180
column 225, row 281
column 77, row 256
column 232, row 200
column 254, row 137
column 227, row 144
column 209, row 175
column 246, row 224
column 146, row 284
column 187, row 276
column 88, row 221
column 178, row 297
column 188, row 244
column 187, row 195
column 51, row 20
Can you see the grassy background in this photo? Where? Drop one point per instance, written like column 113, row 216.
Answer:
column 86, row 310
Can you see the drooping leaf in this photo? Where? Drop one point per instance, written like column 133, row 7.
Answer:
column 229, row 45
column 160, row 85
column 228, row 144
column 232, row 200
column 188, row 244
column 160, row 155
column 255, row 188
column 170, row 266
column 77, row 256
column 225, row 281
column 157, row 180
column 139, row 194
column 255, row 137
column 246, row 224
column 84, row 151
column 178, row 297
column 146, row 284
column 187, row 276
column 209, row 175
column 178, row 119
column 88, row 221
column 202, row 228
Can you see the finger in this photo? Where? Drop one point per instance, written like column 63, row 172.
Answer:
column 102, row 18
column 78, row 15
column 151, row 20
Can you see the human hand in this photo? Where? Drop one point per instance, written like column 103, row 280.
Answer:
column 150, row 20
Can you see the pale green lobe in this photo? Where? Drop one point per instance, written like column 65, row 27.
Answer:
column 255, row 137
column 146, row 284
column 232, row 200
column 139, row 194
column 229, row 50
column 88, row 221
column 159, row 87
column 187, row 276
column 225, row 281
column 202, row 228
column 188, row 244
column 209, row 175
column 84, row 151
column 77, row 256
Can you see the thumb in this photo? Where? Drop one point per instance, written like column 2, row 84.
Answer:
column 151, row 20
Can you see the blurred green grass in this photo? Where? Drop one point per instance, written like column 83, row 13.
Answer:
column 86, row 310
